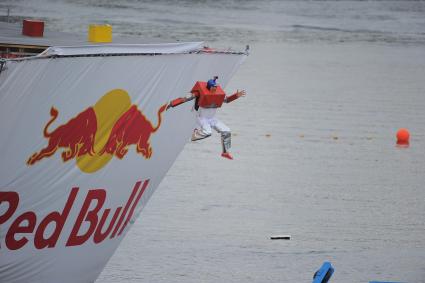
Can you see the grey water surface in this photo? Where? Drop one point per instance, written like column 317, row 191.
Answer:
column 328, row 83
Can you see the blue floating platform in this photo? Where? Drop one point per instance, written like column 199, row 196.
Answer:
column 324, row 273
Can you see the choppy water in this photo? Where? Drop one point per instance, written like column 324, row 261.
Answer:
column 237, row 21
column 329, row 83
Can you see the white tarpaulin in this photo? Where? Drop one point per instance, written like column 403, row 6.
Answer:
column 84, row 143
column 168, row 48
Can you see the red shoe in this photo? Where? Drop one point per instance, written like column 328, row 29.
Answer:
column 227, row 155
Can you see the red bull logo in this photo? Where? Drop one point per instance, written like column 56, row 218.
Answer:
column 76, row 136
column 94, row 136
column 132, row 128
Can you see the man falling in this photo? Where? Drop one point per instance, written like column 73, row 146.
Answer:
column 208, row 97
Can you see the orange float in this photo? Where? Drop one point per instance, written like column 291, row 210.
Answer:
column 403, row 136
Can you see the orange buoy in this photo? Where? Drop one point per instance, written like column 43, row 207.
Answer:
column 403, row 136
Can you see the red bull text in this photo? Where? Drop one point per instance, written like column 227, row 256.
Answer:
column 28, row 225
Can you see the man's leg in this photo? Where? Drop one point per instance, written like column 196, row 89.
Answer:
column 225, row 137
column 203, row 131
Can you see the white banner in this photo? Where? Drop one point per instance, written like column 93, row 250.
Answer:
column 84, row 143
column 168, row 48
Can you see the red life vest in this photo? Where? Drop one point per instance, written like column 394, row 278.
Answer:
column 208, row 98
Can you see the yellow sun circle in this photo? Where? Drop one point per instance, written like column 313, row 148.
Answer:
column 108, row 109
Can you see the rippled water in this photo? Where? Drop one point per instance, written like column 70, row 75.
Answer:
column 329, row 83
column 236, row 20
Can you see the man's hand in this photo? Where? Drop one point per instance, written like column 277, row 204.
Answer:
column 240, row 93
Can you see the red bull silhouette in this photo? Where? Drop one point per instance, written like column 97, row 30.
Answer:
column 132, row 128
column 76, row 136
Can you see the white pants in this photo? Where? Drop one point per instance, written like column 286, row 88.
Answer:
column 207, row 121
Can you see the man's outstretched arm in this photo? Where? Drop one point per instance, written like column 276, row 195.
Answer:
column 180, row 100
column 235, row 96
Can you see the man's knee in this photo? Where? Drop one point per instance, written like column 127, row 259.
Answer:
column 221, row 128
column 206, row 131
column 226, row 134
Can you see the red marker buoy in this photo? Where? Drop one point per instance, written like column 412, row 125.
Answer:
column 403, row 136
